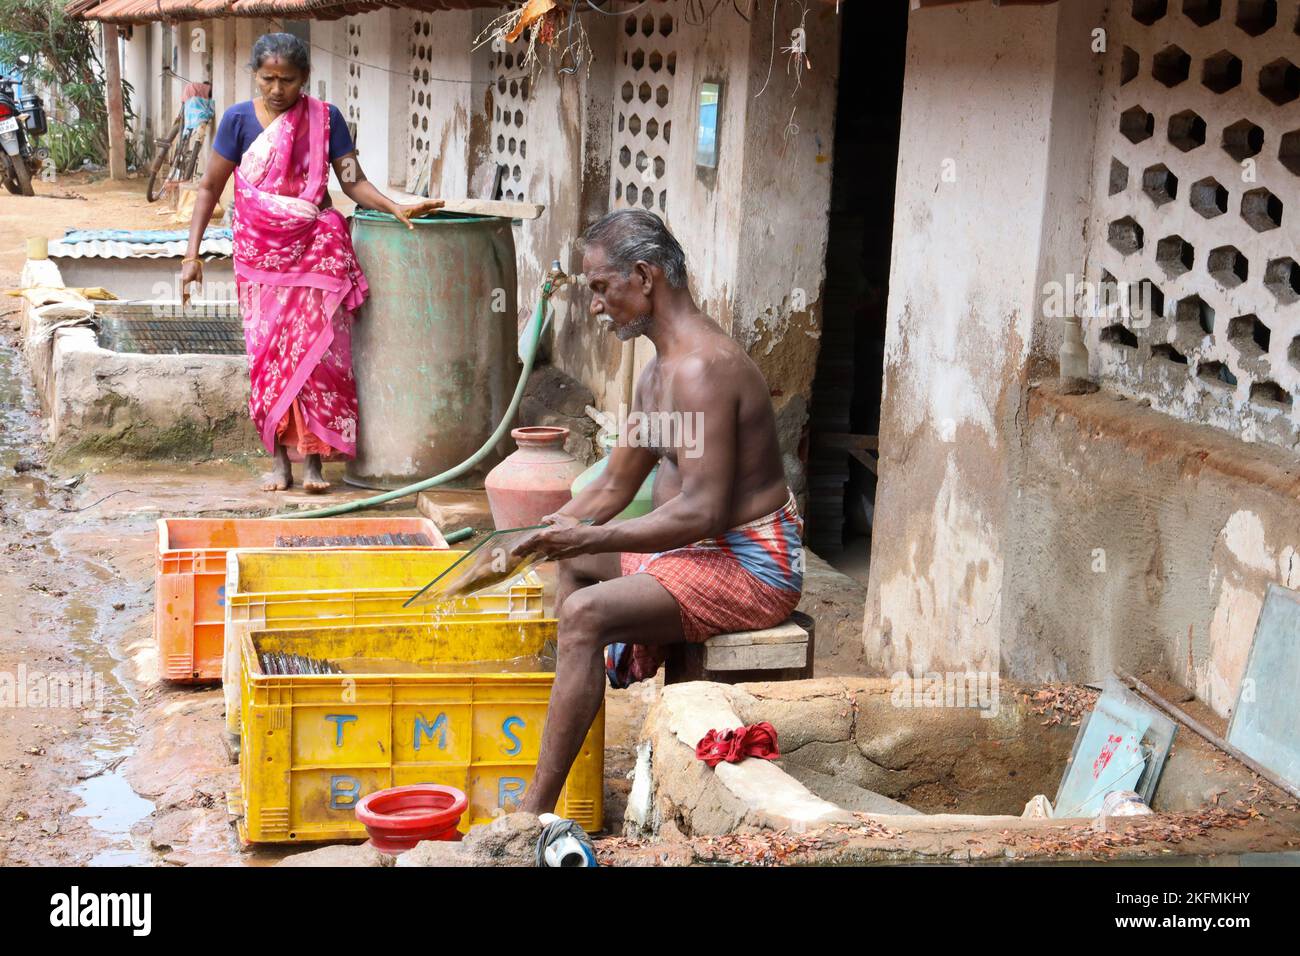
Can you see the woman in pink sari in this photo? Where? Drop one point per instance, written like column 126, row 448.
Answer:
column 297, row 276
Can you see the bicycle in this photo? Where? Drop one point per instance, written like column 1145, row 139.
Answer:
column 175, row 162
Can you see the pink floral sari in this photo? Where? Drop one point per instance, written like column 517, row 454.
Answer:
column 299, row 284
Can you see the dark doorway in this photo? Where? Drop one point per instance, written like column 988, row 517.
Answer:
column 845, row 417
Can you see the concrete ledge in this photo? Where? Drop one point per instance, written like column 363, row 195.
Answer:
column 144, row 406
column 38, row 341
column 700, row 800
column 906, row 748
column 1160, row 438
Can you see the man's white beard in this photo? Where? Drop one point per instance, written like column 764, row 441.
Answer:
column 637, row 327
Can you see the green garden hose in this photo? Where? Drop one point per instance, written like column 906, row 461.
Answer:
column 534, row 338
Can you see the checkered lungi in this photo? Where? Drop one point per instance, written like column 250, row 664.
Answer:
column 748, row 578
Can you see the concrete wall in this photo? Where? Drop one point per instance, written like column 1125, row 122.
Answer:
column 1175, row 257
column 380, row 91
column 1145, row 543
column 1018, row 529
column 116, row 404
column 754, row 229
column 136, row 70
column 995, row 107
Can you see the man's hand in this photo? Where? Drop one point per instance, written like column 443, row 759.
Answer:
column 405, row 214
column 563, row 537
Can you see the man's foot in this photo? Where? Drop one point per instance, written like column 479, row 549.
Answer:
column 312, row 479
column 281, row 476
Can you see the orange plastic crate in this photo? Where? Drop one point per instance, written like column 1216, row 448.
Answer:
column 190, row 577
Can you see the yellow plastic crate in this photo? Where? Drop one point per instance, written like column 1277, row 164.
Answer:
column 190, row 576
column 314, row 745
column 271, row 590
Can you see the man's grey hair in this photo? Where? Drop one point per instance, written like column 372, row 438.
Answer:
column 630, row 236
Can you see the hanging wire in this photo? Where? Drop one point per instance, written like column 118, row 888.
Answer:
column 772, row 55
column 568, row 43
column 694, row 13
column 439, row 79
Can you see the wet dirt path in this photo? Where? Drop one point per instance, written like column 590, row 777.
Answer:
column 66, row 707
column 115, row 767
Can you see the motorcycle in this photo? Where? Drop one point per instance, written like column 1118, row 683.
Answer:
column 22, row 119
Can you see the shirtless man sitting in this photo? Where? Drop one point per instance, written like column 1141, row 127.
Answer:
column 720, row 551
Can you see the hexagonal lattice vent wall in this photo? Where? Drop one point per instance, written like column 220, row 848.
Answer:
column 418, row 154
column 352, row 92
column 643, row 84
column 511, row 87
column 1202, row 104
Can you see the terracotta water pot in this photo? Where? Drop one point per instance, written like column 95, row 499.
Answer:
column 534, row 480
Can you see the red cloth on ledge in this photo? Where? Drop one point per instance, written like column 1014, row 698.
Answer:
column 733, row 746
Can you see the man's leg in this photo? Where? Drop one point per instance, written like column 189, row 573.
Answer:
column 584, row 571
column 631, row 610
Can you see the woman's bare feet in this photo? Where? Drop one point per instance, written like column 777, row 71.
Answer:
column 312, row 479
column 281, row 476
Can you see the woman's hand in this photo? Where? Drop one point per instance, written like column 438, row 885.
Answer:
column 415, row 210
column 191, row 271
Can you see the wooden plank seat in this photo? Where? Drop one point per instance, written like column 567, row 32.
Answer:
column 784, row 652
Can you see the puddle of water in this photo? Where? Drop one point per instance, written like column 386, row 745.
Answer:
column 110, row 804
column 19, row 428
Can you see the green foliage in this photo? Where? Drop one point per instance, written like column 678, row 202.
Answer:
column 71, row 144
column 63, row 57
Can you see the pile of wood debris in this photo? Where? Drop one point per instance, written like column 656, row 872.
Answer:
column 748, row 848
column 1061, row 703
column 1162, row 828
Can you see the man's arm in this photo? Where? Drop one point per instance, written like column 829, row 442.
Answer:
column 705, row 392
column 616, row 486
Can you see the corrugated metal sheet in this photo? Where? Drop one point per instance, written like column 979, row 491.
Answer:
column 111, row 244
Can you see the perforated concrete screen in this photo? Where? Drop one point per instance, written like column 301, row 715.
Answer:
column 643, row 84
column 1197, row 212
column 421, row 93
column 352, row 92
column 511, row 86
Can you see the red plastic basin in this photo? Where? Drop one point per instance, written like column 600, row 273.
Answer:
column 399, row 818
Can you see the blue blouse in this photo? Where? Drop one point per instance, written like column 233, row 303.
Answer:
column 240, row 126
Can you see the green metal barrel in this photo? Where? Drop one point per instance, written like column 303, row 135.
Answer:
column 433, row 348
